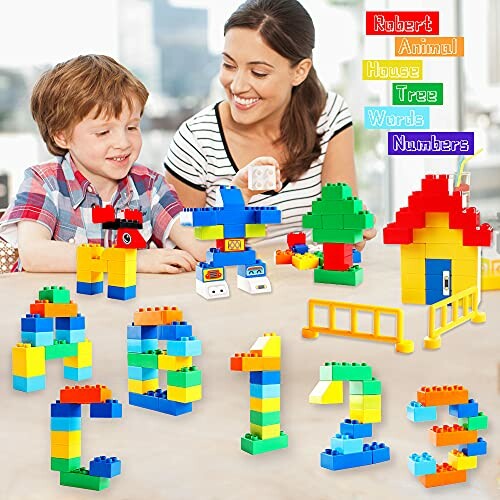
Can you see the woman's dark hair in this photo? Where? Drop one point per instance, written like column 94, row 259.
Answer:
column 288, row 29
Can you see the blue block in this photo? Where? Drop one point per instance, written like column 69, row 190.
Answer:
column 255, row 270
column 77, row 374
column 267, row 215
column 138, row 373
column 380, row 452
column 71, row 336
column 35, row 323
column 355, row 429
column 65, row 410
column 65, row 423
column 480, row 447
column 136, row 345
column 236, row 216
column 416, row 412
column 105, row 467
column 145, row 332
column 203, row 216
column 217, row 274
column 173, row 407
column 436, row 267
column 265, row 378
column 234, row 230
column 89, row 288
column 111, row 408
column 433, row 296
column 470, row 409
column 74, row 323
column 265, row 391
column 231, row 197
column 186, row 346
column 148, row 401
column 346, row 444
column 421, row 465
column 122, row 293
column 300, row 249
column 333, row 460
column 356, row 256
column 175, row 330
column 28, row 384
column 37, row 339
column 216, row 258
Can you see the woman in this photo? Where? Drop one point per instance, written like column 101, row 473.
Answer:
column 276, row 112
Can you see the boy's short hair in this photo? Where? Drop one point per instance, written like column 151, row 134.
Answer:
column 66, row 94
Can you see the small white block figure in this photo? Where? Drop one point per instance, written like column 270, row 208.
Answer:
column 261, row 177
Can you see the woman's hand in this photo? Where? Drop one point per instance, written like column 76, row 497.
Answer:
column 368, row 234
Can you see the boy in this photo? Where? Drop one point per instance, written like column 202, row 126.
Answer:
column 88, row 111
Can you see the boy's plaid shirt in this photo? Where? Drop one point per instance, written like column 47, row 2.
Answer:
column 59, row 197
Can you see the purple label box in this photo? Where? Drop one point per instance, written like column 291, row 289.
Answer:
column 430, row 143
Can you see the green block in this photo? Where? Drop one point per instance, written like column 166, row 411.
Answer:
column 319, row 254
column 310, row 221
column 477, row 423
column 366, row 387
column 255, row 230
column 144, row 360
column 65, row 464
column 185, row 377
column 333, row 221
column 61, row 349
column 429, row 94
column 54, row 294
column 325, row 371
column 268, row 418
column 81, row 479
column 338, row 191
column 254, row 445
column 346, row 236
column 209, row 232
column 363, row 220
column 351, row 205
column 351, row 371
column 351, row 277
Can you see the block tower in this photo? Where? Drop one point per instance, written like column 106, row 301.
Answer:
column 39, row 345
column 66, row 437
column 347, row 449
column 230, row 224
column 145, row 359
column 264, row 363
column 338, row 220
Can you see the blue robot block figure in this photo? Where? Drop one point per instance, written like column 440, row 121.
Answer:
column 230, row 223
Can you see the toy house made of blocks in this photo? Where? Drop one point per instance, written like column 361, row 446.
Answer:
column 440, row 240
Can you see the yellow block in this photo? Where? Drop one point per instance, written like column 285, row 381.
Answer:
column 265, row 405
column 459, row 283
column 174, row 363
column 413, row 296
column 447, row 251
column 122, row 267
column 438, row 235
column 383, row 69
column 89, row 276
column 67, row 438
column 89, row 251
column 184, row 394
column 234, row 244
column 255, row 230
column 209, row 232
column 305, row 261
column 83, row 358
column 269, row 345
column 327, row 392
column 460, row 461
column 415, row 281
column 413, row 266
column 413, row 251
column 366, row 416
column 265, row 432
column 490, row 282
column 122, row 280
column 63, row 451
column 460, row 267
column 120, row 254
column 142, row 386
column 437, row 219
column 28, row 361
column 365, row 402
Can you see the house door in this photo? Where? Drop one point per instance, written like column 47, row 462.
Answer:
column 437, row 280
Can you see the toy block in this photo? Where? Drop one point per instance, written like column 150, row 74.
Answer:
column 420, row 465
column 75, row 323
column 366, row 416
column 351, row 277
column 66, row 451
column 255, row 230
column 380, row 452
column 104, row 214
column 351, row 371
column 122, row 293
column 348, row 205
column 89, row 288
column 265, row 378
column 469, row 409
column 28, row 361
column 37, row 339
column 137, row 373
column 441, row 184
column 61, row 349
column 65, row 410
column 450, row 251
column 283, row 257
column 332, row 221
column 334, row 460
column 231, row 244
column 445, row 474
column 85, row 394
column 28, row 384
column 144, row 360
column 105, row 467
column 142, row 386
column 175, row 331
column 460, row 461
column 265, row 405
column 234, row 231
column 406, row 218
column 481, row 236
column 209, row 232
column 337, row 256
column 360, row 220
column 229, row 196
column 127, row 267
column 261, row 177
column 413, row 296
column 327, row 392
column 413, row 251
column 336, row 191
column 65, row 423
column 373, row 386
column 136, row 345
column 267, row 345
column 466, row 218
column 265, row 432
column 83, row 356
column 312, row 221
column 351, row 236
column 373, row 402
column 356, row 429
column 305, row 262
column 174, row 408
column 346, row 444
column 397, row 235
column 442, row 395
column 65, row 464
column 478, row 422
column 464, row 267
column 207, row 273
column 416, row 412
column 219, row 259
column 116, row 254
column 185, row 346
column 296, row 238
column 35, row 323
column 356, row 256
column 264, row 419
column 153, row 316
column 78, row 374
column 67, row 438
column 412, row 266
column 474, row 449
column 198, row 217
column 437, row 235
column 54, row 294
column 438, row 219
column 49, row 310
column 414, row 281
column 80, row 478
column 148, row 401
column 460, row 283
column 267, row 215
column 121, row 280
column 255, row 446
column 265, row 391
column 300, row 249
column 185, row 377
column 451, row 435
column 173, row 363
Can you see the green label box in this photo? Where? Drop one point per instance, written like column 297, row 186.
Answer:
column 417, row 94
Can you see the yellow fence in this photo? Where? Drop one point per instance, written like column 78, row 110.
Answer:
column 464, row 307
column 313, row 330
column 490, row 274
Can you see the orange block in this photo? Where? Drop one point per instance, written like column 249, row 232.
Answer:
column 439, row 395
column 48, row 310
column 251, row 362
column 445, row 474
column 283, row 257
column 450, row 435
column 85, row 394
column 157, row 316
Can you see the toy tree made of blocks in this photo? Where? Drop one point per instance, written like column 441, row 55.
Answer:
column 119, row 261
column 230, row 223
column 464, row 434
column 145, row 359
column 337, row 221
column 66, row 437
column 41, row 342
column 263, row 362
column 365, row 408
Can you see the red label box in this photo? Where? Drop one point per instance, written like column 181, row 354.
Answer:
column 387, row 22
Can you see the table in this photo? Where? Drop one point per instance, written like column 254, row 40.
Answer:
column 198, row 455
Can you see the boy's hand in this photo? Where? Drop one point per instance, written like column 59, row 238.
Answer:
column 240, row 180
column 162, row 260
column 368, row 234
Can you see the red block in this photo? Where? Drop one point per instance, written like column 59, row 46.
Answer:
column 296, row 238
column 85, row 394
column 397, row 235
column 236, row 363
column 337, row 256
column 134, row 215
column 388, row 22
column 437, row 185
column 410, row 218
column 479, row 237
column 467, row 218
column 103, row 214
column 129, row 238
